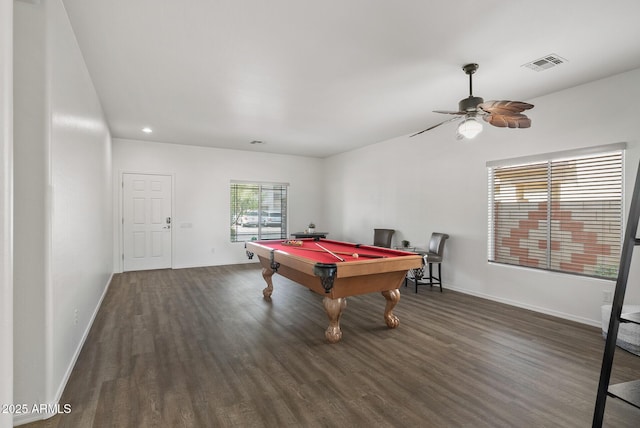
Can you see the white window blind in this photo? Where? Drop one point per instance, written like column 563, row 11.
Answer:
column 558, row 214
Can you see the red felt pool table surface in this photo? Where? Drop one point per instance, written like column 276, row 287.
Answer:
column 375, row 269
column 345, row 250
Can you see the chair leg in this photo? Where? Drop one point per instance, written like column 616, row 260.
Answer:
column 433, row 280
column 430, row 275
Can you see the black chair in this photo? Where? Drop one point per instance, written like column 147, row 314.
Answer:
column 433, row 255
column 382, row 237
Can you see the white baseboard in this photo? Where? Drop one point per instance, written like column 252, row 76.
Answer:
column 570, row 317
column 47, row 410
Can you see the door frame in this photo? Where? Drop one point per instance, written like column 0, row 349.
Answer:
column 120, row 215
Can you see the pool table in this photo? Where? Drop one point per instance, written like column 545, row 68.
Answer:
column 336, row 270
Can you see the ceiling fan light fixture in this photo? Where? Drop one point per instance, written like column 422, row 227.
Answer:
column 470, row 127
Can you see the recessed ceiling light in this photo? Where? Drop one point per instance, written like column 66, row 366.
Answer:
column 147, row 130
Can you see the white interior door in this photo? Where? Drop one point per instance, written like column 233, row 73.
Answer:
column 146, row 221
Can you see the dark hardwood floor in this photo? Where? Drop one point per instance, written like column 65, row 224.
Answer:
column 201, row 348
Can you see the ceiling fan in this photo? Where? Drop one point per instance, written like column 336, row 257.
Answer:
column 498, row 113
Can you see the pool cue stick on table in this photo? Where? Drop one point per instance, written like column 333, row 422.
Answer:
column 371, row 256
column 330, row 252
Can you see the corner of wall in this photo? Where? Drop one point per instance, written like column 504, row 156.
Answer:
column 6, row 208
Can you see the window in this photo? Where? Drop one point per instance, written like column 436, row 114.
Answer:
column 562, row 214
column 258, row 211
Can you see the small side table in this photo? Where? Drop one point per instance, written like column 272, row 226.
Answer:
column 410, row 249
column 314, row 235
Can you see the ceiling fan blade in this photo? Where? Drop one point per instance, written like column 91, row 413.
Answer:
column 434, row 126
column 450, row 112
column 505, row 107
column 508, row 120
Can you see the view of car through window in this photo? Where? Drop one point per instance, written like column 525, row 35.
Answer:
column 250, row 218
column 266, row 218
column 272, row 218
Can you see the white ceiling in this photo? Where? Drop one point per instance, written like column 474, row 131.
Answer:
column 323, row 77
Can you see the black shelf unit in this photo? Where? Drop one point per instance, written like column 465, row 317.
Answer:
column 628, row 392
column 632, row 318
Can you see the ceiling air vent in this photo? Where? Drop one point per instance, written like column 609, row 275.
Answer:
column 545, row 62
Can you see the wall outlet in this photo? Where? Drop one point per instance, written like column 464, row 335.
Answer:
column 75, row 317
column 607, row 296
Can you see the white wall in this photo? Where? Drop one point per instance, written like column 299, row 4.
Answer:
column 202, row 198
column 80, row 200
column 63, row 229
column 434, row 182
column 6, row 208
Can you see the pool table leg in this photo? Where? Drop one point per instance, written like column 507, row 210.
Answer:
column 393, row 297
column 334, row 308
column 267, row 274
